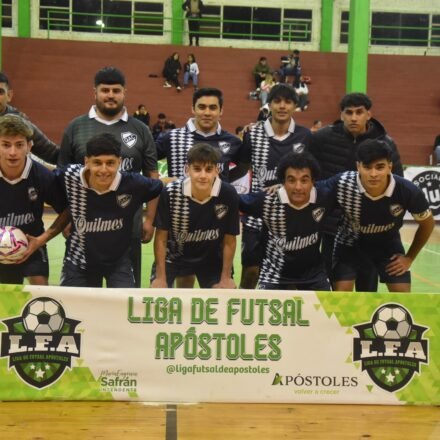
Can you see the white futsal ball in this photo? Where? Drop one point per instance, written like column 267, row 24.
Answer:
column 13, row 244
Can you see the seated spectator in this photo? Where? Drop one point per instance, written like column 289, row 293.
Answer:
column 161, row 126
column 142, row 114
column 191, row 72
column 436, row 160
column 260, row 71
column 265, row 87
column 171, row 70
column 291, row 66
column 302, row 92
column 317, row 124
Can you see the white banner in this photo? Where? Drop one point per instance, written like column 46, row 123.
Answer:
column 428, row 180
column 218, row 346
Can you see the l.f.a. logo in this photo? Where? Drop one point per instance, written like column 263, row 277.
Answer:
column 317, row 214
column 41, row 342
column 391, row 347
column 129, row 138
column 220, row 211
column 123, row 200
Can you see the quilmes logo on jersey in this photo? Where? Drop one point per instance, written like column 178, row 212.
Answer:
column 391, row 347
column 220, row 211
column 123, row 200
column 32, row 193
column 41, row 342
column 129, row 138
column 429, row 183
column 224, row 146
column 396, row 209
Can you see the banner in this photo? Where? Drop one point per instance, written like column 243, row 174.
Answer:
column 161, row 345
column 428, row 180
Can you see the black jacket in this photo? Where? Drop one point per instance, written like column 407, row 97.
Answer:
column 42, row 147
column 186, row 7
column 335, row 149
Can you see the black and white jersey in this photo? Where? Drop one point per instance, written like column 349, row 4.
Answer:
column 102, row 222
column 175, row 144
column 292, row 252
column 196, row 229
column 137, row 146
column 22, row 200
column 371, row 221
column 263, row 151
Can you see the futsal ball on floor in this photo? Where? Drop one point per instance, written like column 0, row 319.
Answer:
column 13, row 244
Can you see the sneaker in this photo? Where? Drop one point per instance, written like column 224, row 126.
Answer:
column 179, row 89
column 167, row 85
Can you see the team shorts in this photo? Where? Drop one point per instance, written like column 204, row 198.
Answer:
column 348, row 261
column 252, row 246
column 36, row 265
column 118, row 275
column 319, row 283
column 207, row 274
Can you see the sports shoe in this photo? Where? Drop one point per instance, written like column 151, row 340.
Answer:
column 167, row 85
column 178, row 88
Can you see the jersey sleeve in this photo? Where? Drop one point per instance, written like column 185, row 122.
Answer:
column 163, row 215
column 162, row 145
column 151, row 188
column 149, row 159
column 252, row 203
column 232, row 224
column 65, row 155
column 418, row 205
column 55, row 194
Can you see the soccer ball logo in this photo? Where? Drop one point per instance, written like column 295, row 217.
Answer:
column 43, row 315
column 392, row 322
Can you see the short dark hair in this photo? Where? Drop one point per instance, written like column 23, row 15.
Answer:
column 109, row 75
column 298, row 161
column 296, row 52
column 203, row 153
column 4, row 79
column 104, row 143
column 263, row 59
column 355, row 100
column 208, row 91
column 285, row 91
column 371, row 150
column 161, row 116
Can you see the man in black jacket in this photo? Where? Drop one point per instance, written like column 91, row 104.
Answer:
column 42, row 147
column 335, row 149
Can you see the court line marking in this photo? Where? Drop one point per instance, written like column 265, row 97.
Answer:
column 171, row 423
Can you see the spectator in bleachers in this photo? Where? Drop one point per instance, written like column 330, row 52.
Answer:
column 191, row 72
column 260, row 71
column 303, row 95
column 291, row 66
column 171, row 70
column 265, row 87
column 161, row 126
column 194, row 9
column 142, row 114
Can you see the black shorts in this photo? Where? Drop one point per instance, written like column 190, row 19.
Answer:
column 349, row 260
column 319, row 283
column 36, row 265
column 118, row 275
column 252, row 246
column 207, row 274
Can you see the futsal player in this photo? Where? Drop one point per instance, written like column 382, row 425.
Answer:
column 197, row 222
column 375, row 202
column 25, row 186
column 293, row 217
column 263, row 147
column 103, row 202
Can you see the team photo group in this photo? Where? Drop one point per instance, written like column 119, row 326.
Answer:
column 323, row 211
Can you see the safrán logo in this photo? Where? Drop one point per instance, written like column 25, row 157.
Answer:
column 41, row 342
column 391, row 347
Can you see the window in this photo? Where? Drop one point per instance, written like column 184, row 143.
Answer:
column 116, row 17
column 236, row 22
column 394, row 29
column 7, row 13
column 54, row 15
column 435, row 32
column 345, row 17
column 210, row 24
column 87, row 16
column 297, row 25
column 148, row 18
column 266, row 24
